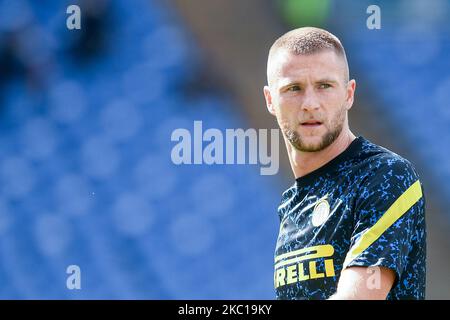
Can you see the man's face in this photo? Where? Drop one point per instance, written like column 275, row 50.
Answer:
column 310, row 96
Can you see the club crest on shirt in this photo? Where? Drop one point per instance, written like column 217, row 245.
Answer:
column 320, row 213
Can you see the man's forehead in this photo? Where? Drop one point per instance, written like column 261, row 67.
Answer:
column 325, row 63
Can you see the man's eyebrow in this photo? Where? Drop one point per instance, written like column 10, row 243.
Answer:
column 327, row 80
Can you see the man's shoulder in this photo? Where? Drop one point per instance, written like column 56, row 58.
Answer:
column 381, row 161
column 390, row 179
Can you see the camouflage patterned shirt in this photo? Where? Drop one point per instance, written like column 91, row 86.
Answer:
column 365, row 207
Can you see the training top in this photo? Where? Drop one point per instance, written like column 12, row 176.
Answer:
column 365, row 207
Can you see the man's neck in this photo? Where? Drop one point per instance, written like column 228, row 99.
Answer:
column 303, row 163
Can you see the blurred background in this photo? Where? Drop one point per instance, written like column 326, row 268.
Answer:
column 86, row 118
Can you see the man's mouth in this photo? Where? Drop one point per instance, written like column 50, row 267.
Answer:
column 311, row 123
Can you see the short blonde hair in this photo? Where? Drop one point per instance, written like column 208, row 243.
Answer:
column 309, row 40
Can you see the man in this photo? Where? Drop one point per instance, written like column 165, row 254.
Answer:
column 353, row 224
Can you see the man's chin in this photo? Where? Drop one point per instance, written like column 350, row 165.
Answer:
column 310, row 145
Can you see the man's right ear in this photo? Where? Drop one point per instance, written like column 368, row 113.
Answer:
column 269, row 103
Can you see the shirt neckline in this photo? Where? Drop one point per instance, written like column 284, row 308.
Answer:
column 328, row 167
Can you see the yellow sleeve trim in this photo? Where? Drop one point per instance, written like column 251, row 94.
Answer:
column 395, row 211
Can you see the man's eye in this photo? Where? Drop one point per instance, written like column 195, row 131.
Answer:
column 294, row 88
column 324, row 86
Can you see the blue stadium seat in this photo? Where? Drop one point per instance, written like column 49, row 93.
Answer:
column 87, row 180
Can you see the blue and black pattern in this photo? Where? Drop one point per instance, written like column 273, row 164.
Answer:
column 358, row 187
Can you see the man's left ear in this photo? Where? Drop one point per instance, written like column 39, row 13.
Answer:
column 351, row 87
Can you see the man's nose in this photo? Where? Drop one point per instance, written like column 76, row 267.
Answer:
column 310, row 100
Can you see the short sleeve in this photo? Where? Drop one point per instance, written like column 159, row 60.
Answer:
column 387, row 212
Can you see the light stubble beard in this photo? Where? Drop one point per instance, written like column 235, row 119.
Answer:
column 328, row 138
